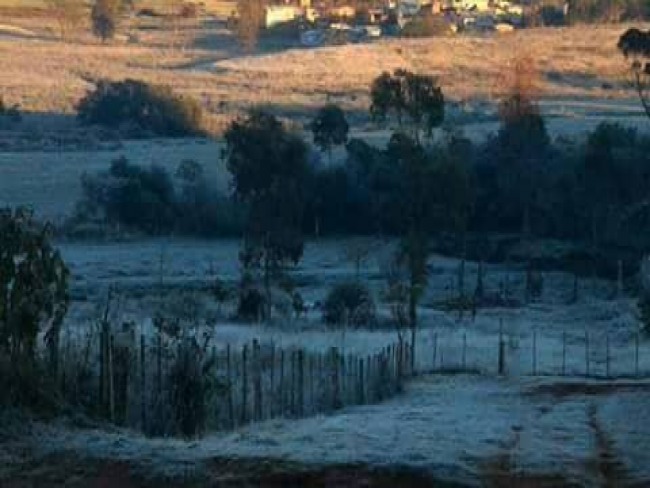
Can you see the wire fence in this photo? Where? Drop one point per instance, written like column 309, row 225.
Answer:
column 179, row 387
column 591, row 354
column 165, row 388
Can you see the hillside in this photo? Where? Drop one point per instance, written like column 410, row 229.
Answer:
column 45, row 75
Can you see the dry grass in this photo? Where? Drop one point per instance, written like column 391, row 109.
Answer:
column 45, row 75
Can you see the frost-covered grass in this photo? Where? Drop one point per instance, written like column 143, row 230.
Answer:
column 186, row 269
column 453, row 426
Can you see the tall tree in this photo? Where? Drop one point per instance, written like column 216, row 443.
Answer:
column 635, row 46
column 269, row 169
column 522, row 143
column 415, row 204
column 330, row 128
column 415, row 100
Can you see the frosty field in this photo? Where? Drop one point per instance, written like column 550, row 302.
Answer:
column 462, row 430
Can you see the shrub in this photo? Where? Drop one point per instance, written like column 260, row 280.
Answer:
column 349, row 304
column 33, row 300
column 149, row 200
column 252, row 304
column 191, row 383
column 104, row 16
column 138, row 198
column 151, row 108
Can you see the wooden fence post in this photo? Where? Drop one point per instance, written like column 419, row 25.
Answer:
column 563, row 353
column 282, row 384
column 398, row 361
column 272, row 394
column 336, row 393
column 407, row 360
column 244, row 387
column 534, row 352
column 301, row 383
column 257, row 381
column 501, row 349
column 607, row 355
column 312, row 400
column 111, row 377
column 636, row 355
column 586, row 353
column 435, row 349
column 464, row 351
column 292, row 388
column 369, row 386
column 362, row 395
column 143, row 405
column 102, row 373
column 231, row 386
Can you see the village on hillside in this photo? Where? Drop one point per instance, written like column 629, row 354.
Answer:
column 322, row 24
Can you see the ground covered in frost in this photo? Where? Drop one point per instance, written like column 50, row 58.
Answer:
column 456, row 428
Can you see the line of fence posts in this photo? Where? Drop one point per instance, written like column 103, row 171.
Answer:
column 587, row 371
column 315, row 382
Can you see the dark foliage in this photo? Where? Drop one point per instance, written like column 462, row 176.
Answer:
column 104, row 17
column 149, row 200
column 330, row 128
column 270, row 175
column 33, row 300
column 349, row 304
column 191, row 383
column 415, row 100
column 135, row 104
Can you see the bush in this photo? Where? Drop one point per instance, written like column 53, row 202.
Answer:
column 33, row 302
column 349, row 304
column 192, row 380
column 104, row 16
column 151, row 108
column 147, row 200
column 132, row 196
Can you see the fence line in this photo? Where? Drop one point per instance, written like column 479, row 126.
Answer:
column 166, row 388
column 169, row 387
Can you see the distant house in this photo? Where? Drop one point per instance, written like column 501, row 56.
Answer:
column 477, row 5
column 343, row 12
column 279, row 14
